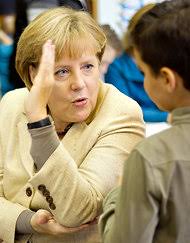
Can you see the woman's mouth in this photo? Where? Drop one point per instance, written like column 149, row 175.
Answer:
column 80, row 102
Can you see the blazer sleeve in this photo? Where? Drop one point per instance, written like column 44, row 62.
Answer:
column 76, row 193
column 9, row 211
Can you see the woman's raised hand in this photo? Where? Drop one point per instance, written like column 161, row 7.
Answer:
column 43, row 81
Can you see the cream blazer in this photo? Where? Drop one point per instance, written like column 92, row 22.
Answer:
column 79, row 173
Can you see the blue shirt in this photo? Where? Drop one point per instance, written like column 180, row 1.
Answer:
column 5, row 53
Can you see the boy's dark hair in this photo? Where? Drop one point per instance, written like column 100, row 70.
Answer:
column 163, row 39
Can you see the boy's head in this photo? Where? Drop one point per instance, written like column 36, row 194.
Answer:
column 162, row 50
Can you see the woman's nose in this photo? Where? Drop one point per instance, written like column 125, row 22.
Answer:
column 77, row 82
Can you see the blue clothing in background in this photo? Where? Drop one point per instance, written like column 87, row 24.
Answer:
column 125, row 75
column 5, row 53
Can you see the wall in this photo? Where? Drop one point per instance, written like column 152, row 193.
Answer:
column 118, row 12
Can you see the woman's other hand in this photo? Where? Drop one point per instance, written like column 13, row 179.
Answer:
column 43, row 81
column 43, row 222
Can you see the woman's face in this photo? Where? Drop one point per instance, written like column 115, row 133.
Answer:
column 75, row 92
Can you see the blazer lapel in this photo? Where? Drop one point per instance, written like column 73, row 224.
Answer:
column 71, row 141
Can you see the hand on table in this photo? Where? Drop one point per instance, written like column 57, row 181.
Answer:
column 43, row 222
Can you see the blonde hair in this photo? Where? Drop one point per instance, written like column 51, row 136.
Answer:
column 73, row 33
column 132, row 23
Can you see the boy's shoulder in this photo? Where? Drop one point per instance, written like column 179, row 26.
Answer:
column 169, row 145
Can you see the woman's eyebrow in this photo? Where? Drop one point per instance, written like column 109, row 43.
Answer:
column 62, row 66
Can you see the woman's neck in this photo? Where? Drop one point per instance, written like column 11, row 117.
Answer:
column 63, row 132
column 61, row 127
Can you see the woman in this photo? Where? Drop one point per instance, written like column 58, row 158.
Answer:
column 112, row 50
column 63, row 142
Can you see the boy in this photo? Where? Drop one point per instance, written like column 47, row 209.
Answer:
column 153, row 203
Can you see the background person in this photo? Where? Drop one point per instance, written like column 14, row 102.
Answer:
column 7, row 16
column 7, row 23
column 152, row 204
column 6, row 48
column 64, row 140
column 112, row 50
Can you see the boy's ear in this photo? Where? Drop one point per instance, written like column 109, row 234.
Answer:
column 169, row 78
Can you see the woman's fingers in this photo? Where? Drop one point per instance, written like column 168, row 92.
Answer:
column 47, row 59
column 43, row 82
column 45, row 75
column 66, row 230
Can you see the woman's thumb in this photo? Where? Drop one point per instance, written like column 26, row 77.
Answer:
column 44, row 217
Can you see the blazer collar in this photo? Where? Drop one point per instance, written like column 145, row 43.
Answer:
column 98, row 103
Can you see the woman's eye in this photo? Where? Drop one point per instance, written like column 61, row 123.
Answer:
column 61, row 72
column 88, row 67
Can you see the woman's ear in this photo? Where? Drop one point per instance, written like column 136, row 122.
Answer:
column 32, row 72
column 169, row 78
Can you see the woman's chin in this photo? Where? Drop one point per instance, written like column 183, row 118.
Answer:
column 79, row 118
